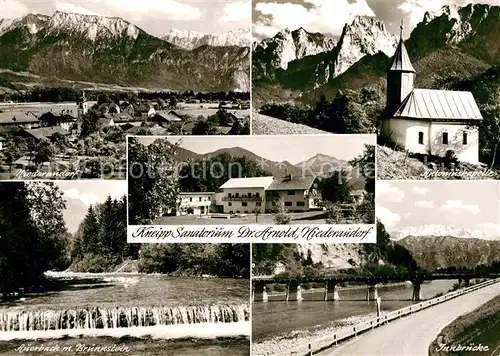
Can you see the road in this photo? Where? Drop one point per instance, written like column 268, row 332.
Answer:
column 412, row 335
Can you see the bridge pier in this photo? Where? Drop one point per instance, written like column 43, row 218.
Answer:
column 260, row 292
column 331, row 292
column 293, row 293
column 371, row 293
column 417, row 291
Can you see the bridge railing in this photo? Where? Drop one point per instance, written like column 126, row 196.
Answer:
column 310, row 347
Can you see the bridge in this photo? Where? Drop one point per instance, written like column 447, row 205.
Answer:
column 293, row 290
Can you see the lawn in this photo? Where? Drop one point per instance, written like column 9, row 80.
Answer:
column 310, row 217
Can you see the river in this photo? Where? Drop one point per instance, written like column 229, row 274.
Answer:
column 277, row 318
column 146, row 314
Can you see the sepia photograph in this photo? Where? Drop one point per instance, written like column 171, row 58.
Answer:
column 422, row 75
column 432, row 278
column 77, row 77
column 70, row 283
column 264, row 180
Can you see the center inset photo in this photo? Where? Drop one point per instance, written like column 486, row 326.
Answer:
column 251, row 180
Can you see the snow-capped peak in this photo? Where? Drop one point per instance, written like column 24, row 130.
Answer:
column 32, row 22
column 193, row 39
column 92, row 26
column 364, row 36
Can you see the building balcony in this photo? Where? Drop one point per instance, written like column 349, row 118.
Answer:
column 245, row 198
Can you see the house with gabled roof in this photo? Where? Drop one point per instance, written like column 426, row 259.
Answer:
column 248, row 195
column 297, row 193
column 50, row 119
column 245, row 195
column 428, row 122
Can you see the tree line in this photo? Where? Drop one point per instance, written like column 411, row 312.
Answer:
column 350, row 111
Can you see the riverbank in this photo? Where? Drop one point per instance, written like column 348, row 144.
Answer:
column 480, row 328
column 289, row 341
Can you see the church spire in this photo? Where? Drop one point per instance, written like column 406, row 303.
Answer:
column 401, row 61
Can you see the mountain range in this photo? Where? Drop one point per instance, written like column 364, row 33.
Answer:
column 318, row 165
column 434, row 252
column 110, row 50
column 440, row 246
column 192, row 39
column 463, row 40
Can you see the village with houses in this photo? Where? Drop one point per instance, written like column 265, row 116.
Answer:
column 85, row 138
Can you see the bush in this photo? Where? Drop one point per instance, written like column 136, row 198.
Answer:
column 92, row 263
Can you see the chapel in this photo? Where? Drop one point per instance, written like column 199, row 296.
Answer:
column 425, row 121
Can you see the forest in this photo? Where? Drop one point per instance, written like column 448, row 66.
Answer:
column 34, row 239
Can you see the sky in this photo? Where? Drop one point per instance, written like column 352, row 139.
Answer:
column 294, row 149
column 330, row 16
column 153, row 16
column 79, row 195
column 471, row 205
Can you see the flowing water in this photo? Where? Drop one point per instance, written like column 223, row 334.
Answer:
column 144, row 312
column 276, row 317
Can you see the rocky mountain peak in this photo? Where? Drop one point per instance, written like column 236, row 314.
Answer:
column 287, row 46
column 364, row 36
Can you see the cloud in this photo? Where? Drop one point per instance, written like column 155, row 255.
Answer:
column 325, row 16
column 87, row 199
column 425, row 204
column 420, row 190
column 11, row 9
column 162, row 9
column 72, row 8
column 387, row 217
column 237, row 11
column 389, row 192
column 457, row 207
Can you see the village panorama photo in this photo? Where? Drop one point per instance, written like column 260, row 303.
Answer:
column 76, row 78
column 266, row 180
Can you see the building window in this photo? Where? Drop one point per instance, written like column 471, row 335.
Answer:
column 257, row 195
column 229, row 195
column 229, row 204
column 291, row 192
column 237, row 195
column 190, row 199
column 200, row 198
column 249, row 195
column 464, row 138
column 445, row 138
column 420, row 138
column 244, row 203
column 246, row 212
column 274, row 203
column 288, row 203
column 237, row 211
column 301, row 203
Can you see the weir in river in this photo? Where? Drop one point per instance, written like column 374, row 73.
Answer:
column 120, row 317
